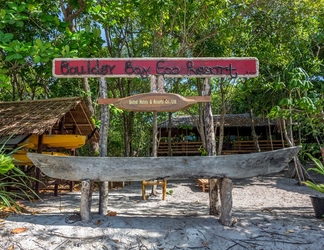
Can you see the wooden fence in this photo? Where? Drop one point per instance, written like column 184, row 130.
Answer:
column 237, row 147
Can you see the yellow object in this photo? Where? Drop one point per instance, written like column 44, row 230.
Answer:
column 56, row 141
column 20, row 158
column 162, row 183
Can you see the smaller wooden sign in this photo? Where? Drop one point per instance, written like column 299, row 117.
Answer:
column 153, row 102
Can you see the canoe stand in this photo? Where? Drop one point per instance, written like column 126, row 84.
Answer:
column 223, row 168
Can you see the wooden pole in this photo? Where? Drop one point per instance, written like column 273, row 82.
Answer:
column 154, row 88
column 104, row 186
column 37, row 170
column 85, row 208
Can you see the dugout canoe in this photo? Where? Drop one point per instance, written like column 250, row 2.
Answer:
column 78, row 168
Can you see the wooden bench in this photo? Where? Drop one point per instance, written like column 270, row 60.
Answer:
column 162, row 183
column 203, row 183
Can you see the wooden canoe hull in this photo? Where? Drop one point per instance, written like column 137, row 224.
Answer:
column 78, row 168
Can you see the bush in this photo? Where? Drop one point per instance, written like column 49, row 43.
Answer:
column 14, row 183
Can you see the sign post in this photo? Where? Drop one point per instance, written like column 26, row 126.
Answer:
column 231, row 67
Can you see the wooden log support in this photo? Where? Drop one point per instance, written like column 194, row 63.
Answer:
column 226, row 187
column 213, row 197
column 103, row 197
column 85, row 208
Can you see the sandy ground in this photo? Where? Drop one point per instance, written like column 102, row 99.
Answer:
column 272, row 212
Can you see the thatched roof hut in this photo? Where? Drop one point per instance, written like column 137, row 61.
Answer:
column 68, row 114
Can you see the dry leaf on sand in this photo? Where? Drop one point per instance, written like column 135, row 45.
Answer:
column 18, row 230
column 112, row 213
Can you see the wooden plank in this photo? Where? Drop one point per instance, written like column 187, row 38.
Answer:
column 78, row 168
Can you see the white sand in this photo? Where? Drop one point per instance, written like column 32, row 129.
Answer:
column 270, row 213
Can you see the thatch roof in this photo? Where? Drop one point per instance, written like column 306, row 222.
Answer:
column 43, row 116
column 231, row 120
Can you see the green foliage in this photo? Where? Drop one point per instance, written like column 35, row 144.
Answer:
column 202, row 151
column 11, row 177
column 169, row 192
column 5, row 160
column 14, row 185
column 319, row 169
column 286, row 37
column 5, row 163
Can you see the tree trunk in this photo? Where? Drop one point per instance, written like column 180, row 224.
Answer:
column 128, row 125
column 211, row 149
column 87, row 98
column 270, row 134
column 154, row 147
column 154, row 89
column 209, row 123
column 254, row 135
column 103, row 190
column 222, row 119
column 200, row 121
column 299, row 168
column 169, row 133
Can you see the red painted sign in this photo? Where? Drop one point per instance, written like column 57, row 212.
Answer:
column 231, row 67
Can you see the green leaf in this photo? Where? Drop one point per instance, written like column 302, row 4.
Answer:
column 5, row 164
column 37, row 59
column 19, row 24
column 67, row 48
column 15, row 56
column 12, row 6
column 5, row 37
column 2, row 13
column 87, row 28
column 286, row 102
column 57, row 21
column 96, row 33
column 39, row 43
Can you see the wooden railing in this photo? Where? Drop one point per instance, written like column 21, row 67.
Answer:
column 238, row 147
column 241, row 147
column 180, row 148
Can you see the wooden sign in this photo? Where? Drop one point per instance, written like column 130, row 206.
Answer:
column 158, row 102
column 231, row 67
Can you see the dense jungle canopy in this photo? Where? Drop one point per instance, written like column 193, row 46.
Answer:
column 287, row 37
